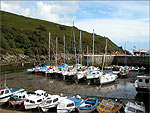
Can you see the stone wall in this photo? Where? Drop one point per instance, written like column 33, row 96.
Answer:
column 118, row 60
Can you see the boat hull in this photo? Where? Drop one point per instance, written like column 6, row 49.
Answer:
column 47, row 107
column 86, row 111
column 142, row 90
column 4, row 99
column 33, row 106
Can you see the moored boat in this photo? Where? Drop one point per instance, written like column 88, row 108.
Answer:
column 109, row 106
column 134, row 107
column 50, row 102
column 66, row 106
column 19, row 98
column 107, row 77
column 6, row 93
column 87, row 105
column 142, row 84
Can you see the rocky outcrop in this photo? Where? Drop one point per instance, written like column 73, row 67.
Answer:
column 15, row 58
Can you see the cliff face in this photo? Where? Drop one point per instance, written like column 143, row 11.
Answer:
column 22, row 35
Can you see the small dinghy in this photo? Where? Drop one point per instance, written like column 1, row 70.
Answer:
column 109, row 106
column 6, row 93
column 87, row 105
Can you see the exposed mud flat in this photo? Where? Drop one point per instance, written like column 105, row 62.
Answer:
column 123, row 88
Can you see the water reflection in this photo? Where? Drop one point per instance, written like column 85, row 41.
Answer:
column 145, row 98
column 121, row 89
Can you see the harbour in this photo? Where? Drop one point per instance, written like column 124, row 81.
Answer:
column 83, row 60
column 123, row 88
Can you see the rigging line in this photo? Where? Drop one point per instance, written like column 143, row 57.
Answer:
column 53, row 49
column 59, row 52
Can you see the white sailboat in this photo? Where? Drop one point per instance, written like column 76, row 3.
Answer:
column 107, row 76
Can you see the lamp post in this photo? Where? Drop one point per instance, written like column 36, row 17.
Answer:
column 125, row 47
column 125, row 52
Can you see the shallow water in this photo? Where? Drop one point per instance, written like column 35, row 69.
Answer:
column 122, row 89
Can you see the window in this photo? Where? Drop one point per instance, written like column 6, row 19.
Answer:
column 19, row 96
column 23, row 96
column 140, row 80
column 131, row 109
column 138, row 111
column 70, row 105
column 27, row 100
column 49, row 101
column 32, row 101
column 102, row 106
column 55, row 100
column 2, row 92
column 39, row 100
column 147, row 81
column 38, row 94
column 7, row 91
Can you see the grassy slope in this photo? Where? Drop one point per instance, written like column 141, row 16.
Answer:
column 26, row 35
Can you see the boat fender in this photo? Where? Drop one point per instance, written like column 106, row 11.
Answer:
column 19, row 103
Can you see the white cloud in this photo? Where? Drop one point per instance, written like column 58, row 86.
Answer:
column 10, row 6
column 56, row 12
column 118, row 30
column 25, row 12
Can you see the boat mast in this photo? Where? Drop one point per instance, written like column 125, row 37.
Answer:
column 64, row 49
column 104, row 55
column 49, row 46
column 80, row 48
column 74, row 43
column 56, row 50
column 5, row 81
column 93, row 49
column 87, row 56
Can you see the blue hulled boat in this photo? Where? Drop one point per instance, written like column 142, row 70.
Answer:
column 87, row 105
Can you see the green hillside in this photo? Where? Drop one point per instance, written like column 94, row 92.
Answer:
column 29, row 36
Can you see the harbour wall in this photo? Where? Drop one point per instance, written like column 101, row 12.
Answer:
column 118, row 60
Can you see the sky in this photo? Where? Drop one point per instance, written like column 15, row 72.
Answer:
column 123, row 22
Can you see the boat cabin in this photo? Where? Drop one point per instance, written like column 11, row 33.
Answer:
column 4, row 91
column 143, row 81
column 94, row 74
column 34, row 99
column 65, row 105
column 134, row 107
column 41, row 93
column 19, row 96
